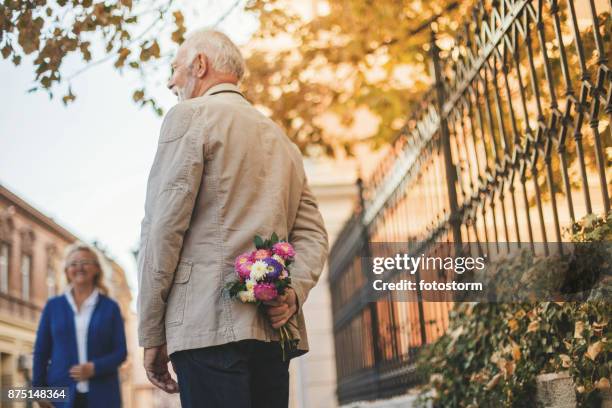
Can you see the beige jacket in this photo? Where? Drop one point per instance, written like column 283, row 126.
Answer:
column 222, row 173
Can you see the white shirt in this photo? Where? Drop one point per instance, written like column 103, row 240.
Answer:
column 81, row 325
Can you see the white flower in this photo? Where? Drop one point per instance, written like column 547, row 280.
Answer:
column 250, row 284
column 278, row 259
column 259, row 269
column 246, row 296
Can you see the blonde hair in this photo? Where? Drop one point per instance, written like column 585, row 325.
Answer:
column 99, row 278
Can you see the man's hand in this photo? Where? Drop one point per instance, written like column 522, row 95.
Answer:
column 156, row 366
column 82, row 372
column 280, row 310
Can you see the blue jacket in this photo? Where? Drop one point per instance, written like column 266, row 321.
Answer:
column 55, row 351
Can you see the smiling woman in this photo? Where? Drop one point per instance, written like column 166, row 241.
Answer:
column 82, row 267
column 80, row 341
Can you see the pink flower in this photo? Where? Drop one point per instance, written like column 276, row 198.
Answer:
column 265, row 292
column 284, row 249
column 241, row 259
column 259, row 255
column 244, row 270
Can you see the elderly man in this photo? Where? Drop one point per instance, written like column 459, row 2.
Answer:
column 223, row 173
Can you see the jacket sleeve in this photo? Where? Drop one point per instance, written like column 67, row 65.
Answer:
column 42, row 349
column 173, row 186
column 110, row 363
column 309, row 239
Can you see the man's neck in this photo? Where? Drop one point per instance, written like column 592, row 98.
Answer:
column 207, row 84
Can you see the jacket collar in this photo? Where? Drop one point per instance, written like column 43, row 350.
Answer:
column 225, row 86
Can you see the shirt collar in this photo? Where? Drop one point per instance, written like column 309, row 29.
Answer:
column 225, row 86
column 91, row 299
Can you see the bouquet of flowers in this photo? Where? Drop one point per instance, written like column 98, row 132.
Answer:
column 263, row 275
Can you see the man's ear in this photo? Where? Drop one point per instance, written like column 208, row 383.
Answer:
column 201, row 65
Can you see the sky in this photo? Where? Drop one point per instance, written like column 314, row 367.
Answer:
column 86, row 165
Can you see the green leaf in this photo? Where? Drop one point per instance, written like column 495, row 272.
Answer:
column 235, row 287
column 259, row 242
column 274, row 238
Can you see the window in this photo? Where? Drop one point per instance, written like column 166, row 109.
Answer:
column 51, row 288
column 26, row 269
column 4, row 267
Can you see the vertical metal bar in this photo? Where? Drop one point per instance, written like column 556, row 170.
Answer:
column 578, row 41
column 580, row 108
column 367, row 254
column 451, row 175
column 598, row 41
column 562, row 151
column 594, row 123
column 538, row 196
column 550, row 180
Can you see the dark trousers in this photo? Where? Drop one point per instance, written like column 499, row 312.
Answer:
column 80, row 400
column 244, row 374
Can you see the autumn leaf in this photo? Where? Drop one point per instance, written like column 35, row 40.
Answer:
column 138, row 95
column 602, row 384
column 69, row 97
column 493, row 382
column 594, row 350
column 516, row 352
column 123, row 54
column 599, row 326
column 579, row 328
column 533, row 326
column 513, row 325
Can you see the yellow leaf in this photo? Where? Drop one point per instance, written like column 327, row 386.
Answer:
column 513, row 325
column 578, row 329
column 436, row 378
column 509, row 369
column 516, row 352
column 599, row 326
column 603, row 384
column 594, row 349
column 491, row 384
column 533, row 326
column 580, row 389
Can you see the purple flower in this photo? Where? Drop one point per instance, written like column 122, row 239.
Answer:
column 274, row 269
column 265, row 291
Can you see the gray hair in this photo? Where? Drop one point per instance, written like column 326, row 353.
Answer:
column 222, row 53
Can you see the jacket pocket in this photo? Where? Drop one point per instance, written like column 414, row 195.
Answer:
column 175, row 309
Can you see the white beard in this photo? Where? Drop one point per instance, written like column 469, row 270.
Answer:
column 187, row 91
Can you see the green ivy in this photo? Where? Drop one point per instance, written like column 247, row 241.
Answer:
column 492, row 352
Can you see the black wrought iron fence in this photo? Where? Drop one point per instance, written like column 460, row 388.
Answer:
column 508, row 146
